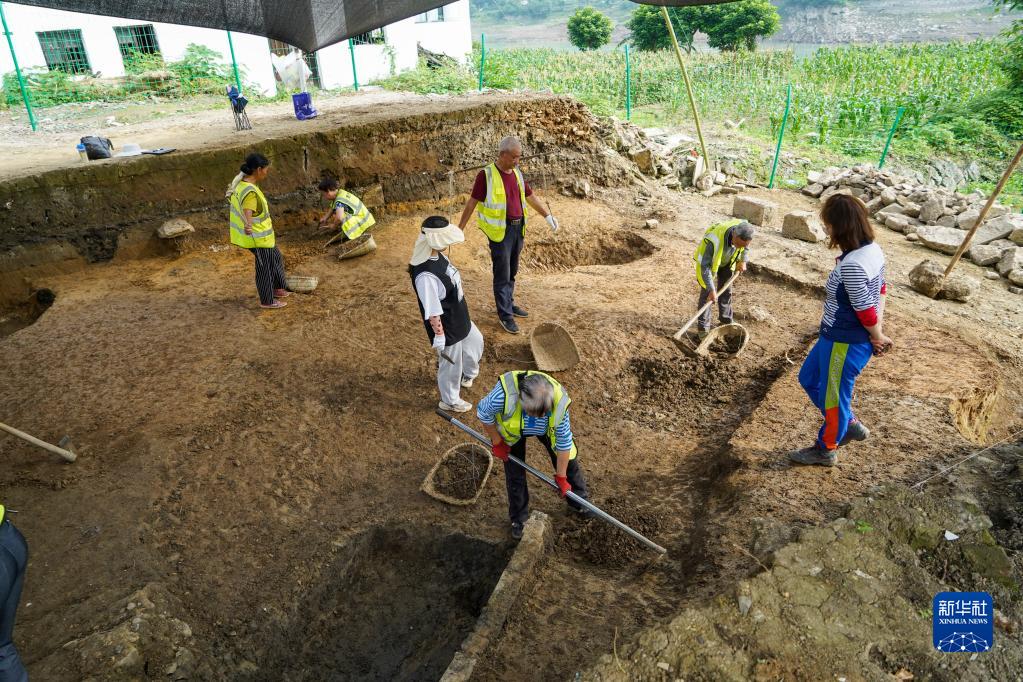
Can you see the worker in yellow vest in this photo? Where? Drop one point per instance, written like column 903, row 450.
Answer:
column 501, row 194
column 252, row 229
column 346, row 209
column 13, row 561
column 531, row 404
column 723, row 251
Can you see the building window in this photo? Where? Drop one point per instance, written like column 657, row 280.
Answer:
column 64, row 51
column 281, row 49
column 135, row 40
column 432, row 15
column 370, row 38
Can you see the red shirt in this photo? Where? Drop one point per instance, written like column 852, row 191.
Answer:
column 511, row 191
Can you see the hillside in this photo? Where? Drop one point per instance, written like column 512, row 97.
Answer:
column 542, row 22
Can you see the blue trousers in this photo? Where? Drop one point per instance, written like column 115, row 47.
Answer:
column 828, row 376
column 505, row 257
column 13, row 560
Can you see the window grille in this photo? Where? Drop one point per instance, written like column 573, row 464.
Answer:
column 138, row 39
column 432, row 15
column 370, row 38
column 64, row 51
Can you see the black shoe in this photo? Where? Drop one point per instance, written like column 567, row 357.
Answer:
column 519, row 312
column 510, row 326
column 856, row 431
column 516, row 531
column 814, row 455
column 584, row 512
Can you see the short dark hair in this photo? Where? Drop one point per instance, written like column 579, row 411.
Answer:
column 254, row 162
column 848, row 222
column 328, row 185
column 435, row 222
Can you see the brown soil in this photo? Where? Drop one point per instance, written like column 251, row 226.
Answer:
column 461, row 472
column 604, row 545
column 229, row 456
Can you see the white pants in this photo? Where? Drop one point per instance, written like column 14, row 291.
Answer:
column 465, row 356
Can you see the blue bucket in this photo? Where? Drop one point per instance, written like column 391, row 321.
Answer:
column 303, row 103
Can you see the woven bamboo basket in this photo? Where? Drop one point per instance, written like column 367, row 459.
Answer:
column 301, row 285
column 430, row 483
column 359, row 246
column 553, row 347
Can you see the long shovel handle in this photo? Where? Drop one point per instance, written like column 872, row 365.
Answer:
column 66, row 454
column 546, row 479
column 694, row 318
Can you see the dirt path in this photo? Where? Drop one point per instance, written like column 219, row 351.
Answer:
column 231, row 457
column 189, row 124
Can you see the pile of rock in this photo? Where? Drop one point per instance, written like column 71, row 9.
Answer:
column 935, row 217
column 673, row 158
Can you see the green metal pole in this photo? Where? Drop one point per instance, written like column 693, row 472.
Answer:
column 234, row 62
column 891, row 134
column 355, row 76
column 781, row 134
column 483, row 56
column 17, row 70
column 628, row 86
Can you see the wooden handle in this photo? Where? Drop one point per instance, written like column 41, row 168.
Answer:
column 694, row 318
column 66, row 454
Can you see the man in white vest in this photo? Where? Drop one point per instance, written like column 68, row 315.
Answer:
column 499, row 197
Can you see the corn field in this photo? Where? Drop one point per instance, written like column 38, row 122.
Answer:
column 848, row 93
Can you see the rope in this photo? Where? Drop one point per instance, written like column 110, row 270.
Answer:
column 966, row 459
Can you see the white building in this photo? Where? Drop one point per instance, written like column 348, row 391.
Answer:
column 89, row 43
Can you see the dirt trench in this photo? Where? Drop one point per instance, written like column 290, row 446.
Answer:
column 273, row 495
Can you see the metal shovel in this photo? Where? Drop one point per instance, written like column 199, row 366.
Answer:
column 65, row 449
column 679, row 337
column 570, row 495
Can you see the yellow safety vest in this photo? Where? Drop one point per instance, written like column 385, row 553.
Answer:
column 360, row 220
column 1, row 513
column 262, row 227
column 492, row 214
column 509, row 421
column 715, row 234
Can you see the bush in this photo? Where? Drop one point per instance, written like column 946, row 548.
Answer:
column 589, row 29
column 648, row 32
column 142, row 62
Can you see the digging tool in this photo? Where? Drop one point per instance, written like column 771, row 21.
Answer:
column 64, row 448
column 681, row 332
column 570, row 495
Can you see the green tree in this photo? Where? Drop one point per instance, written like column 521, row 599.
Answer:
column 648, row 32
column 589, row 29
column 737, row 25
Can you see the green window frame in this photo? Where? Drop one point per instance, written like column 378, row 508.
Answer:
column 64, row 50
column 136, row 39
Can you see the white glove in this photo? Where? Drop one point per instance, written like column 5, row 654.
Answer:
column 553, row 222
column 438, row 342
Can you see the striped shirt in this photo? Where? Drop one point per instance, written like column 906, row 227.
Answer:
column 493, row 404
column 854, row 286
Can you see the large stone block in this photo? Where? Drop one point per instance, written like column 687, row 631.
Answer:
column 985, row 254
column 175, row 227
column 927, row 278
column 932, row 209
column 803, row 225
column 1016, row 237
column 813, row 190
column 1011, row 260
column 943, row 239
column 757, row 211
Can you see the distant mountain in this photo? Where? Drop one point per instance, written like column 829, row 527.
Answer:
column 533, row 23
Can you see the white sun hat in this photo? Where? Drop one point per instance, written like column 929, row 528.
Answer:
column 436, row 234
column 130, row 149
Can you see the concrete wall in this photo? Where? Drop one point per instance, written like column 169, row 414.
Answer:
column 373, row 62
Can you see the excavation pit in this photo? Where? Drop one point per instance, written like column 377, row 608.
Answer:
column 610, row 247
column 395, row 605
column 24, row 315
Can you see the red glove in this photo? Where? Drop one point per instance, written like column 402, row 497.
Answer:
column 501, row 450
column 563, row 485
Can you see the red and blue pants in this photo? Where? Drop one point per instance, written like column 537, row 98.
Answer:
column 828, row 375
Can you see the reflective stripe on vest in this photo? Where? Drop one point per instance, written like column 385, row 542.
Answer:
column 262, row 226
column 2, row 512
column 509, row 422
column 715, row 234
column 492, row 212
column 360, row 220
